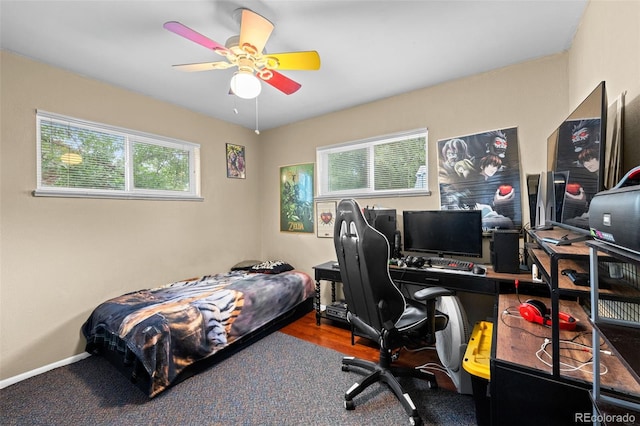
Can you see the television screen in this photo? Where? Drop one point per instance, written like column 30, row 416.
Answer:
column 576, row 152
column 443, row 232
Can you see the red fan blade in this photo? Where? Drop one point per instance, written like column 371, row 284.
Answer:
column 189, row 34
column 282, row 83
column 254, row 32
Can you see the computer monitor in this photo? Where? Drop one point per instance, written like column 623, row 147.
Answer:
column 443, row 232
column 576, row 152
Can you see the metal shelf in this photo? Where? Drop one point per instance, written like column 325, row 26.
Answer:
column 629, row 400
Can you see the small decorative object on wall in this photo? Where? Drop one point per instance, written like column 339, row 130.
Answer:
column 482, row 172
column 296, row 198
column 326, row 217
column 236, row 167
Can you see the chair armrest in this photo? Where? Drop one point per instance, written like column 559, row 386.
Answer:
column 431, row 293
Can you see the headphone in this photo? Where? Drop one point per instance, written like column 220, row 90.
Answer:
column 535, row 311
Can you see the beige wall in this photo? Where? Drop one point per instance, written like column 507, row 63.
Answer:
column 531, row 96
column 60, row 257
column 607, row 48
column 535, row 96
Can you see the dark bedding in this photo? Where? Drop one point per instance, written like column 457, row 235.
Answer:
column 171, row 327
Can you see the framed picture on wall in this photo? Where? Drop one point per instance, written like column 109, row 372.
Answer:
column 236, row 166
column 326, row 217
column 296, row 198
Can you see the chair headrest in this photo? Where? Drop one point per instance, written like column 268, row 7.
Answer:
column 349, row 211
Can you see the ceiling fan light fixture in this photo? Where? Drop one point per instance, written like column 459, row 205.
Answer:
column 245, row 85
column 247, row 52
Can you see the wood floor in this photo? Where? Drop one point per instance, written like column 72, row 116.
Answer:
column 338, row 337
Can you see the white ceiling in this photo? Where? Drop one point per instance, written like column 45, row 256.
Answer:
column 369, row 49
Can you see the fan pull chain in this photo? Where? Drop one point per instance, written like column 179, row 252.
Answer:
column 257, row 130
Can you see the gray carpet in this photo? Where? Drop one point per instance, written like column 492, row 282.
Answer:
column 279, row 380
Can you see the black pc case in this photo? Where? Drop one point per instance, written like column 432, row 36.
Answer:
column 505, row 251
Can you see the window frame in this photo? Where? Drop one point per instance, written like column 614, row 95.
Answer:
column 130, row 138
column 369, row 143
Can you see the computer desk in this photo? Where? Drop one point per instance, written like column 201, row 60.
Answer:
column 518, row 378
column 459, row 281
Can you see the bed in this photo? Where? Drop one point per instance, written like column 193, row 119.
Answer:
column 160, row 336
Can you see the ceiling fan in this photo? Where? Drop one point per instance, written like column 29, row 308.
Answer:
column 246, row 52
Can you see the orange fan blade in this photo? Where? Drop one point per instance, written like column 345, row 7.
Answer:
column 282, row 83
column 203, row 66
column 295, row 60
column 254, row 32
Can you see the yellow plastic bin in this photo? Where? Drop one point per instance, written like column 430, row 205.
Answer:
column 476, row 362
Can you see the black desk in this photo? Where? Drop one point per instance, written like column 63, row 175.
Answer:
column 488, row 284
column 522, row 391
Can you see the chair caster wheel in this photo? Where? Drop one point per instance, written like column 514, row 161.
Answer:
column 349, row 405
column 415, row 421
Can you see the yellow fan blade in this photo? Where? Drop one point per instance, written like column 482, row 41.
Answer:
column 294, row 60
column 203, row 66
column 254, row 32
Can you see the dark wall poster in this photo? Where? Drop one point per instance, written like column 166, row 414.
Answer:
column 482, row 172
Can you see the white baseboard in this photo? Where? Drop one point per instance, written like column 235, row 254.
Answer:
column 20, row 377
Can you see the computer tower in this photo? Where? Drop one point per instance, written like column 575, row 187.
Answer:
column 505, row 248
column 541, row 218
column 533, row 183
column 383, row 220
column 556, row 184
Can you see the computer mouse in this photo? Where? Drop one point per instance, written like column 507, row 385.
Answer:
column 479, row 270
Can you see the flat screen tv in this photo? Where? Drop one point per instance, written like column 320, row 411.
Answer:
column 443, row 232
column 576, row 153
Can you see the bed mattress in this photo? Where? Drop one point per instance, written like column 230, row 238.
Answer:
column 168, row 328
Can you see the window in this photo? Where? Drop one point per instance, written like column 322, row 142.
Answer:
column 78, row 158
column 388, row 165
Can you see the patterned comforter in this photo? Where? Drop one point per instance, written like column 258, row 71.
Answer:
column 171, row 327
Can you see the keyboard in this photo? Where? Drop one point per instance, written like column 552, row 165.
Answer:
column 448, row 263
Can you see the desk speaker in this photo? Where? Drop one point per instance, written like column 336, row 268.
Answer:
column 505, row 247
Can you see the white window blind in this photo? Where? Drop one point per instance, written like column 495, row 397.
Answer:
column 388, row 165
column 77, row 158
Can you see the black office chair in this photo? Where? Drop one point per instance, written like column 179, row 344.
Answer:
column 376, row 307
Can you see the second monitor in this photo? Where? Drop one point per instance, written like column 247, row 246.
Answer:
column 443, row 232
